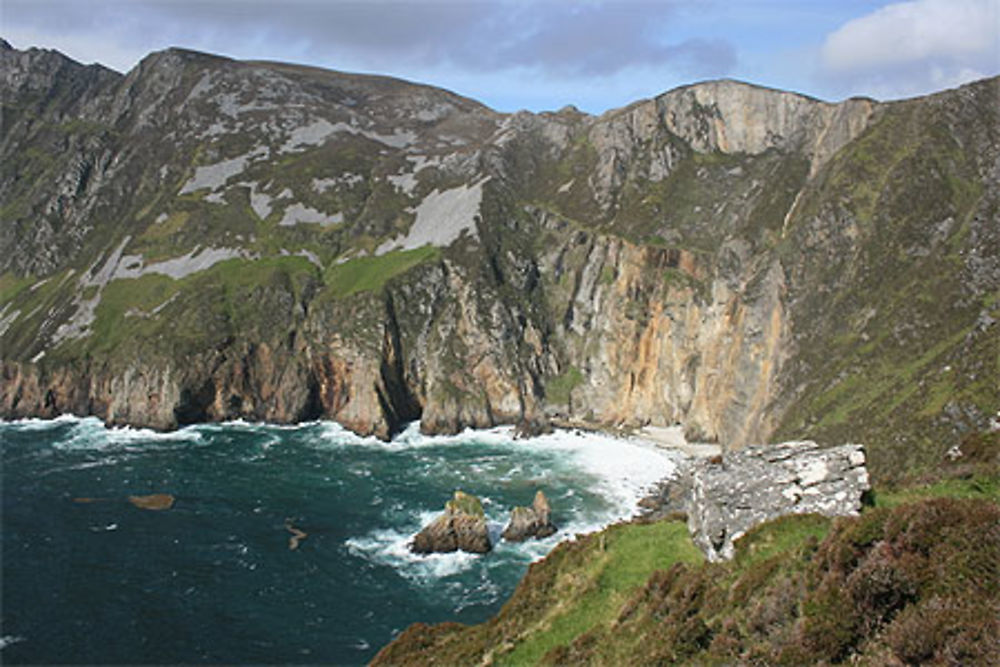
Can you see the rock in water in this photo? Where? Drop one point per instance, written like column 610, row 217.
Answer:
column 531, row 521
column 757, row 484
column 154, row 501
column 297, row 535
column 461, row 527
column 531, row 428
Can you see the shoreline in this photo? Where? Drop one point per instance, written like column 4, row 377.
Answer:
column 653, row 500
column 670, row 438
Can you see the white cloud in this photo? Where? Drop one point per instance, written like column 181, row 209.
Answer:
column 916, row 47
column 908, row 32
column 508, row 53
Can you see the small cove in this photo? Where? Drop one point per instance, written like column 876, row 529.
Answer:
column 212, row 577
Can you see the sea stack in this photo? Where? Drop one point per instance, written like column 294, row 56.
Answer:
column 531, row 521
column 461, row 527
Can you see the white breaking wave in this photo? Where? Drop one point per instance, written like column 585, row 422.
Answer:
column 392, row 547
column 627, row 468
column 623, row 470
column 619, row 471
column 91, row 433
column 37, row 424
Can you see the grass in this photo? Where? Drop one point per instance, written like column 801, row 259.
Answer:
column 365, row 274
column 888, row 341
column 159, row 231
column 36, row 300
column 620, row 559
column 560, row 388
column 125, row 309
column 983, row 486
column 777, row 537
column 465, row 503
column 150, row 311
column 12, row 285
column 914, row 578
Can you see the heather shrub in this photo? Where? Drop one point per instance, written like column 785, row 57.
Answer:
column 947, row 631
column 918, row 583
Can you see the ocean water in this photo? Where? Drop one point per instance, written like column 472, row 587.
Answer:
column 90, row 578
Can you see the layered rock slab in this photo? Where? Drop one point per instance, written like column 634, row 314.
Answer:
column 527, row 522
column 462, row 527
column 729, row 496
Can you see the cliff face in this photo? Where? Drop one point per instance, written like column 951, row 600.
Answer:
column 210, row 239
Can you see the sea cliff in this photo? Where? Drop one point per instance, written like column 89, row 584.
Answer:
column 208, row 239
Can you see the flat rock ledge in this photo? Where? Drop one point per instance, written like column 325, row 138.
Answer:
column 462, row 527
column 534, row 521
column 728, row 497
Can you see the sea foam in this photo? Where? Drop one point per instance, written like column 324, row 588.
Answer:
column 623, row 471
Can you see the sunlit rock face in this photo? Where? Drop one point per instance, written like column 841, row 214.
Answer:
column 462, row 527
column 220, row 239
column 729, row 496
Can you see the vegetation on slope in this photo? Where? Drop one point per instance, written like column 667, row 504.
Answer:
column 371, row 273
column 580, row 585
column 914, row 579
column 894, row 301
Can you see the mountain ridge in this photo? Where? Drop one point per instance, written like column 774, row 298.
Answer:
column 223, row 239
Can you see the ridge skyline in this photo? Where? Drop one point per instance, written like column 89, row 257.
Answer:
column 4, row 43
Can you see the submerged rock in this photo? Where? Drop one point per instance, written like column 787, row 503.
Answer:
column 728, row 497
column 461, row 527
column 297, row 535
column 531, row 521
column 154, row 501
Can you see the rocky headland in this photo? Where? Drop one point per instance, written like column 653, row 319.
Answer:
column 204, row 239
column 221, row 239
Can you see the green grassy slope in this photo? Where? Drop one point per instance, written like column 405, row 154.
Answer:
column 891, row 255
column 914, row 579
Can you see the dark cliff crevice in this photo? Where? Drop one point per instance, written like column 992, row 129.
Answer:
column 398, row 402
column 194, row 405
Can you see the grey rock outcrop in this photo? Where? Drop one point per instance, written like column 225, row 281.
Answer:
column 534, row 521
column 731, row 258
column 462, row 527
column 728, row 498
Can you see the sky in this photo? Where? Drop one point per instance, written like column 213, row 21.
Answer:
column 544, row 54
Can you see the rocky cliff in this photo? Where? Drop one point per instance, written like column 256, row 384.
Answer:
column 207, row 239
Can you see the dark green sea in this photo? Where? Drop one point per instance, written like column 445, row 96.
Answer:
column 212, row 579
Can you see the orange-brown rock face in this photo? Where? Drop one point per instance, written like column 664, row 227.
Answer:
column 659, row 339
column 733, row 258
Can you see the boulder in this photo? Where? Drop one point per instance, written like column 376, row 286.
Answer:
column 461, row 527
column 531, row 521
column 531, row 428
column 727, row 498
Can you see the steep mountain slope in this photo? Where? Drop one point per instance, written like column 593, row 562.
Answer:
column 209, row 239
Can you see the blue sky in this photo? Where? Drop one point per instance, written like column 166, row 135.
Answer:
column 515, row 54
